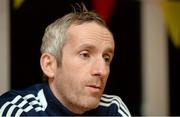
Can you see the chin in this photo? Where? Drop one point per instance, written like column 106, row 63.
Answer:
column 91, row 103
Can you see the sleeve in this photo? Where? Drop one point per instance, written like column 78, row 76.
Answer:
column 23, row 103
column 6, row 103
column 115, row 105
column 11, row 103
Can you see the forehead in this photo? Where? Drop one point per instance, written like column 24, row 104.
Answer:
column 92, row 32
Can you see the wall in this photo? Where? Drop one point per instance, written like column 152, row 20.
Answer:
column 155, row 87
column 4, row 46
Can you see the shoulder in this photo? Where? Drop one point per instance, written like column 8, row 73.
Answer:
column 16, row 103
column 114, row 104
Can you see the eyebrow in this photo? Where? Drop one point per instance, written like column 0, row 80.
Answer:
column 91, row 47
column 110, row 50
column 87, row 46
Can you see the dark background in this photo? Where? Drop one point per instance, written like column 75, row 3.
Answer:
column 174, row 78
column 29, row 21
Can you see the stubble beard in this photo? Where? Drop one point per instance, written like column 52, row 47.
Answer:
column 80, row 102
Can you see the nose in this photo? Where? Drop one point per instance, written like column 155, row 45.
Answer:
column 100, row 68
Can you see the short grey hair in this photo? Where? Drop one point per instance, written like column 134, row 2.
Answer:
column 55, row 34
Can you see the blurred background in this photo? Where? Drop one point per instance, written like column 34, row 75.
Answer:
column 145, row 71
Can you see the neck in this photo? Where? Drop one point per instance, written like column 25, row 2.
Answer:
column 70, row 106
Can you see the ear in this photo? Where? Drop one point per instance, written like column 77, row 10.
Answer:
column 48, row 65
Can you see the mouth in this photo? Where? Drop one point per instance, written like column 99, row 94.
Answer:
column 94, row 88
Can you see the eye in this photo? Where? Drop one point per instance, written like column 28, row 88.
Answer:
column 84, row 54
column 107, row 58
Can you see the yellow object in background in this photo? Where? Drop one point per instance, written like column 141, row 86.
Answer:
column 171, row 10
column 17, row 3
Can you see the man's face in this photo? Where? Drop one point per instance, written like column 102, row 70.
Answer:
column 81, row 78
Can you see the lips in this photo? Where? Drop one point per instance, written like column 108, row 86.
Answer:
column 94, row 88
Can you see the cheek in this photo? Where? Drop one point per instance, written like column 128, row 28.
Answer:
column 75, row 66
column 66, row 81
column 71, row 69
column 69, row 63
column 106, row 78
column 71, row 73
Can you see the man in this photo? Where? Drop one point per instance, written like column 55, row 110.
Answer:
column 77, row 50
